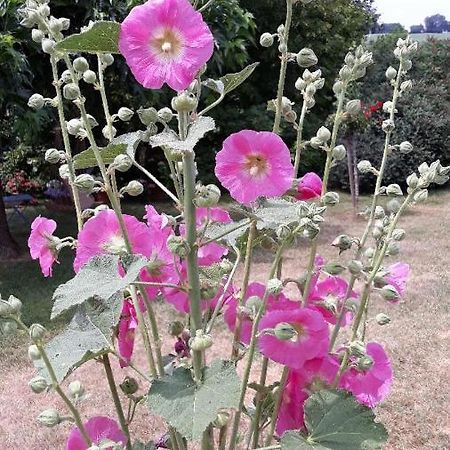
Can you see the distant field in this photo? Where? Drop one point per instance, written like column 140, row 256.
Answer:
column 419, row 37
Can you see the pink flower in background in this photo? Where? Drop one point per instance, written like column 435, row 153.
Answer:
column 291, row 413
column 156, row 221
column 278, row 302
column 126, row 332
column 254, row 164
column 42, row 244
column 99, row 428
column 101, row 235
column 319, row 372
column 310, row 342
column 309, row 186
column 370, row 386
column 212, row 215
column 165, row 41
column 397, row 276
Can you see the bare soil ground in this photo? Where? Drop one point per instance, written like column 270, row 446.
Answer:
column 417, row 412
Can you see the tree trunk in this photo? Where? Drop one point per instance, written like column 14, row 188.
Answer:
column 8, row 246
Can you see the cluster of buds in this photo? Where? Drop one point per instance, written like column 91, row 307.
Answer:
column 321, row 139
column 311, row 218
column 150, row 117
column 308, row 84
column 207, row 196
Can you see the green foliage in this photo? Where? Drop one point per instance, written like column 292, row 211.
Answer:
column 87, row 159
column 191, row 408
column 335, row 421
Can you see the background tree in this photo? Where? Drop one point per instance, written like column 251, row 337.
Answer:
column 417, row 28
column 436, row 24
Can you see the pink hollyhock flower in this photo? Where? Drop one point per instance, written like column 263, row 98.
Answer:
column 126, row 332
column 278, row 302
column 291, row 413
column 157, row 221
column 165, row 41
column 397, row 276
column 309, row 186
column 42, row 244
column 372, row 385
column 211, row 215
column 101, row 235
column 99, row 428
column 319, row 372
column 252, row 164
column 311, row 340
column 328, row 296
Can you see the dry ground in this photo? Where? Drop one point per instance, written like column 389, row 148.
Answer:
column 417, row 412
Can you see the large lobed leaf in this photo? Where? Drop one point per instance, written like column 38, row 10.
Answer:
column 99, row 278
column 336, row 421
column 189, row 408
column 276, row 212
column 87, row 159
column 102, row 37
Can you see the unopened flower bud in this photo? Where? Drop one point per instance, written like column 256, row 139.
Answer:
column 43, row 10
column 393, row 248
column 365, row 363
column 129, row 386
column 36, row 101
column 107, row 59
column 353, row 107
column 178, row 246
column 165, row 114
column 5, row 309
column 15, row 304
column 337, row 87
column 274, row 286
column 330, row 199
column 394, row 190
column 125, row 114
column 66, row 76
column 122, row 162
column 382, row 319
column 175, row 328
column 38, row 385
column 306, row 58
column 134, row 188
column 266, row 40
column 254, row 303
column 184, row 102
column 342, row 242
column 222, row 419
column 323, row 134
column 315, row 142
column 388, row 126
column 71, row 91
column 398, row 234
column 207, row 196
column 37, row 332
column 148, row 115
column 49, row 418
column 80, row 64
column 64, row 171
column 52, row 156
column 286, row 105
column 421, row 196
column 285, row 331
column 357, row 348
column 37, row 35
column 406, row 147
column 282, row 48
column 333, row 268
column 391, row 73
column 200, row 341
column 109, row 132
column 65, row 23
column 85, row 182
column 355, row 267
column 48, row 45
column 339, row 152
column 76, row 389
column 300, row 84
column 364, row 166
column 388, row 292
column 290, row 116
column 33, row 353
column 89, row 77
column 345, row 74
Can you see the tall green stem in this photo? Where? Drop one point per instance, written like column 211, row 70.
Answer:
column 104, row 98
column 298, row 143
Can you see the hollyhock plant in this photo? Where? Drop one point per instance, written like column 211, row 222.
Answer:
column 309, row 187
column 254, row 164
column 102, row 235
column 309, row 336
column 165, row 41
column 42, row 244
column 370, row 385
column 100, row 429
column 126, row 332
column 397, row 276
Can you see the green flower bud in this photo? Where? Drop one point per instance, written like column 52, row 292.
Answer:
column 282, row 48
column 122, row 162
column 393, row 248
column 52, row 156
column 37, row 332
column 89, row 77
column 65, row 23
column 175, row 328
column 76, row 389
column 38, row 385
column 66, row 76
column 393, row 206
column 71, row 91
column 398, row 234
column 407, row 65
column 406, row 86
column 125, row 114
column 388, row 125
column 337, row 87
column 300, row 84
column 286, row 105
column 134, row 188
column 43, row 10
column 382, row 319
column 64, row 172
column 357, row 348
column 339, row 152
column 406, row 147
column 285, row 331
column 107, row 59
column 221, row 420
column 33, row 353
column 266, row 40
column 355, row 267
column 353, row 107
column 207, row 196
column 333, row 268
column 200, row 341
column 330, row 198
column 80, row 64
column 165, row 114
column 306, row 58
column 5, row 309
column 36, row 101
column 323, row 134
column 379, row 212
column 421, row 196
column 394, row 190
column 349, row 59
column 290, row 116
column 388, row 292
column 184, row 102
column 365, row 363
column 15, row 304
column 345, row 74
column 148, row 115
column 342, row 242
column 37, row 35
column 274, row 286
column 85, row 182
column 129, row 386
column 391, row 73
column 109, row 132
column 254, row 303
column 178, row 246
column 364, row 166
column 49, row 418
column 48, row 45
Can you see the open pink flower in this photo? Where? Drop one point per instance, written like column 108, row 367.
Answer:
column 126, row 332
column 397, row 276
column 254, row 164
column 274, row 302
column 291, row 413
column 101, row 235
column 156, row 221
column 311, row 340
column 165, row 41
column 100, row 429
column 370, row 386
column 319, row 372
column 309, row 186
column 42, row 244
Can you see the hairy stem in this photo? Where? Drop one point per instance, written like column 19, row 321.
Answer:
column 298, row 143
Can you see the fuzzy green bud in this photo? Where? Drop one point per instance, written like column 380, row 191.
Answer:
column 342, row 242
column 134, row 188
column 5, row 309
column 38, row 385
column 178, row 246
column 394, row 190
column 15, row 304
column 345, row 74
column 391, row 73
column 148, row 115
column 300, row 84
column 175, row 328
column 49, row 418
column 89, row 77
column 357, row 348
column 323, row 134
column 207, row 196
column 364, row 166
column 71, row 91
column 222, row 419
column 393, row 248
column 165, row 114
column 389, row 293
column 382, row 319
column 129, row 386
column 109, row 132
column 36, row 101
column 355, row 267
column 122, row 162
column 274, row 286
column 200, row 341
column 76, row 389
column 406, row 147
column 107, row 59
column 184, row 102
column 333, row 268
column 306, row 58
column 33, row 353
column 365, row 363
column 266, row 40
column 64, row 172
column 330, row 199
column 52, row 156
column 37, row 35
column 388, row 126
column 399, row 234
column 80, row 64
column 125, row 114
column 37, row 332
column 421, row 196
column 285, row 331
column 48, row 45
column 353, row 107
column 339, row 152
column 337, row 87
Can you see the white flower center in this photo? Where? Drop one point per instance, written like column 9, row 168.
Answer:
column 167, row 42
column 166, row 47
column 256, row 165
column 116, row 245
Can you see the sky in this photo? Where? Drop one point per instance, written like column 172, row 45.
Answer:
column 411, row 12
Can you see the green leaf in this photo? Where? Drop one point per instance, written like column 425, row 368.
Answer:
column 190, row 408
column 131, row 140
column 228, row 233
column 98, row 278
column 276, row 212
column 336, row 421
column 197, row 130
column 231, row 81
column 87, row 159
column 102, row 37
